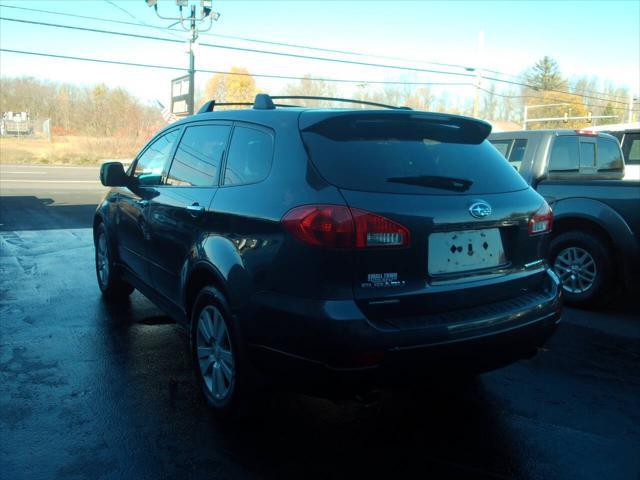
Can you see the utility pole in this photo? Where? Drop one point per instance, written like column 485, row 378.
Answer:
column 192, row 62
column 192, row 22
column 630, row 119
column 478, row 70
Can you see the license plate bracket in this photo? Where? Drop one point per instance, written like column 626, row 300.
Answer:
column 465, row 250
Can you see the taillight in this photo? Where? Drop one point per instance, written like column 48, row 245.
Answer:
column 338, row 226
column 541, row 221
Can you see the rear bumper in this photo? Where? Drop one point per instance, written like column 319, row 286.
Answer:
column 308, row 341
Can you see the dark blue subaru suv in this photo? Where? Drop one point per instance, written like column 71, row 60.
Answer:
column 318, row 249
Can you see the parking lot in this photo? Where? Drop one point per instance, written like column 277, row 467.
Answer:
column 91, row 391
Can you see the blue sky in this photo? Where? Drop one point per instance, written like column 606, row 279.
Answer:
column 600, row 38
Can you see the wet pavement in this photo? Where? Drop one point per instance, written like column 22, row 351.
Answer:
column 89, row 391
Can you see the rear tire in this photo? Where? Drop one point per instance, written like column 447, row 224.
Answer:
column 583, row 263
column 219, row 360
column 112, row 286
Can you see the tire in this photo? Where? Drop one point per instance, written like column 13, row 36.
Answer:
column 583, row 263
column 219, row 361
column 113, row 288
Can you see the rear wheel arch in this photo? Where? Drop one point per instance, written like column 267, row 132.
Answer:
column 585, row 225
column 201, row 275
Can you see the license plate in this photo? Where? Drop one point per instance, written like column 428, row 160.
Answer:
column 452, row 252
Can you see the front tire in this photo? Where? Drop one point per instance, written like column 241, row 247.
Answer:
column 113, row 288
column 583, row 263
column 218, row 355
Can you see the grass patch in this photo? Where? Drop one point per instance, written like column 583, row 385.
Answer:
column 67, row 150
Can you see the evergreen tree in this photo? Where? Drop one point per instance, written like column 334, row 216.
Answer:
column 545, row 75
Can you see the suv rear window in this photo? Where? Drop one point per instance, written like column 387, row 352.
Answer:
column 406, row 154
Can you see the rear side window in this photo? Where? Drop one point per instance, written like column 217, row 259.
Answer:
column 249, row 159
column 517, row 152
column 632, row 148
column 565, row 156
column 609, row 156
column 502, row 146
column 407, row 154
column 198, row 156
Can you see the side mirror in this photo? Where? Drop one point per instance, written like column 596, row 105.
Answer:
column 112, row 174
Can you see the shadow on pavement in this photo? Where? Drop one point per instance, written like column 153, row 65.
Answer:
column 29, row 212
column 444, row 430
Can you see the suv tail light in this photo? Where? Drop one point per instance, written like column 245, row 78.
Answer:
column 541, row 221
column 338, row 226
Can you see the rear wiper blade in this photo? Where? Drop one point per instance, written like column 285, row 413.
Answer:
column 444, row 183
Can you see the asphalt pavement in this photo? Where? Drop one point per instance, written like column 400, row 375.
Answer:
column 91, row 391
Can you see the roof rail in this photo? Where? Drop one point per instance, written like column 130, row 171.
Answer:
column 334, row 99
column 264, row 101
column 211, row 104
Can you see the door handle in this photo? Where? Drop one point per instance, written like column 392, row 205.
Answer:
column 196, row 209
column 143, row 203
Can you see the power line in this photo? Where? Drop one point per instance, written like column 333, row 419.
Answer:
column 242, row 49
column 306, row 57
column 245, row 39
column 289, row 45
column 96, row 60
column 87, row 29
column 542, row 98
column 258, row 75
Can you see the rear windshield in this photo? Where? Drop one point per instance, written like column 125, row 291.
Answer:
column 400, row 155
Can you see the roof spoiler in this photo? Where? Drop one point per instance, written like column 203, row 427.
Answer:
column 401, row 125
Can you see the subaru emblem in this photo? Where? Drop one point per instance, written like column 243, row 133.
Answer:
column 480, row 209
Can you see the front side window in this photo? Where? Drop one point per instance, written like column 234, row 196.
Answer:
column 249, row 159
column 565, row 156
column 198, row 156
column 632, row 148
column 609, row 156
column 151, row 163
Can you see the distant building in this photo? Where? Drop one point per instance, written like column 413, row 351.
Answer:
column 500, row 126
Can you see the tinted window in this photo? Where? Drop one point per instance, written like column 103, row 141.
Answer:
column 609, row 156
column 249, row 159
column 517, row 153
column 565, row 156
column 407, row 155
column 198, row 156
column 587, row 154
column 632, row 148
column 502, row 146
column 150, row 165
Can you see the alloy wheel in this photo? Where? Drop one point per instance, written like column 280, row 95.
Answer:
column 215, row 356
column 102, row 259
column 576, row 268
